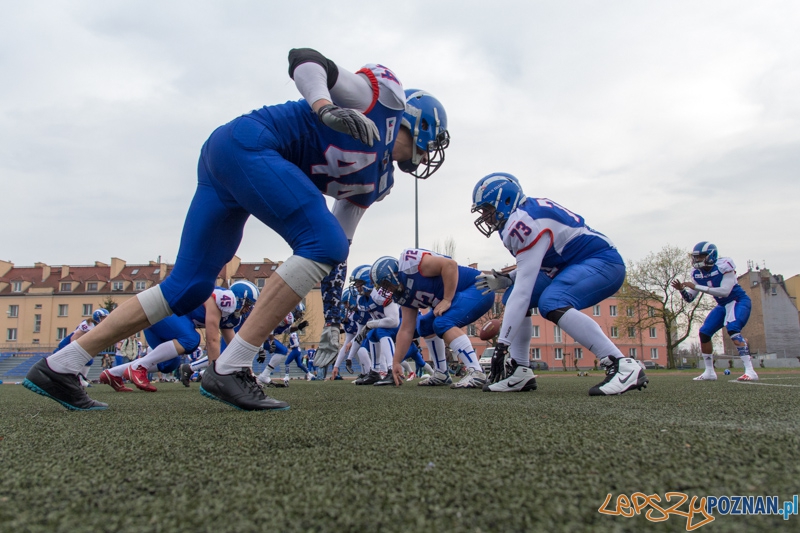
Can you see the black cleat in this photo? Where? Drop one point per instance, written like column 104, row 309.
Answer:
column 186, row 374
column 238, row 390
column 370, row 379
column 348, row 364
column 388, row 379
column 64, row 388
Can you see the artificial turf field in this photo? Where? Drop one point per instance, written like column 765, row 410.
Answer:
column 348, row 458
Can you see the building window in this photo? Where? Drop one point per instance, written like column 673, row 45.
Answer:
column 536, row 331
column 35, row 341
column 497, row 308
column 11, row 334
column 257, row 267
column 774, row 291
column 37, row 306
column 87, row 310
column 629, row 311
column 141, row 285
column 91, row 286
column 134, row 271
column 61, row 333
column 16, row 286
column 596, row 310
column 614, row 332
column 632, row 332
column 651, row 312
column 37, row 323
column 536, row 353
column 63, row 309
column 653, row 333
column 273, row 267
column 471, row 330
column 117, row 286
column 535, row 311
column 578, row 353
column 632, row 352
column 653, row 353
column 260, row 282
column 559, row 354
column 157, row 271
column 612, row 310
column 13, row 311
column 66, row 287
column 557, row 334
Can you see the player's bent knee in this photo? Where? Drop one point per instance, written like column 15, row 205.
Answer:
column 189, row 343
column 154, row 304
column 302, row 274
column 737, row 338
column 555, row 315
column 704, row 338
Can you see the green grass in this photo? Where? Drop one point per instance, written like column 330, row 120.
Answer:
column 347, row 458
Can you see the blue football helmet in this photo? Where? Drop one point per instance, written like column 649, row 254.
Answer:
column 359, row 280
column 246, row 295
column 349, row 298
column 426, row 119
column 495, row 197
column 299, row 311
column 99, row 315
column 384, row 274
column 704, row 255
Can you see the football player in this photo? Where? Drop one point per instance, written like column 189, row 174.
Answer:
column 293, row 322
column 563, row 266
column 717, row 276
column 174, row 336
column 276, row 163
column 421, row 280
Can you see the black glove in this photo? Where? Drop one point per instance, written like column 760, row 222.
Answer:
column 362, row 335
column 300, row 325
column 262, row 355
column 354, row 123
column 271, row 347
column 498, row 363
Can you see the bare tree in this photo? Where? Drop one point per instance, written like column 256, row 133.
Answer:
column 448, row 249
column 650, row 299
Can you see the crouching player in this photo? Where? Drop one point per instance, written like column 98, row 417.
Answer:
column 717, row 277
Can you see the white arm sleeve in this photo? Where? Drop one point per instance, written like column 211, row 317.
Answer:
column 529, row 263
column 350, row 90
column 391, row 320
column 312, row 82
column 725, row 287
column 348, row 215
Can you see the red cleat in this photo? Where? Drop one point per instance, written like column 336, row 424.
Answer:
column 139, row 378
column 116, row 383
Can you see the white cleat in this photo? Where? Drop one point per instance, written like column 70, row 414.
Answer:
column 748, row 377
column 521, row 380
column 622, row 375
column 706, row 377
column 474, row 379
column 263, row 381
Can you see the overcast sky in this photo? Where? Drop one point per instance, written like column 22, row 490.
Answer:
column 659, row 122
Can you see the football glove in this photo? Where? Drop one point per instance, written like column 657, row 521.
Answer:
column 354, row 123
column 494, row 282
column 329, row 344
column 301, row 325
column 498, row 368
column 362, row 334
column 262, row 355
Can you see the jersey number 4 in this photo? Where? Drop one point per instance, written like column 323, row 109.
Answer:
column 342, row 163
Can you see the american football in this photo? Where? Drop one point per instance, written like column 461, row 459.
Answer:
column 490, row 329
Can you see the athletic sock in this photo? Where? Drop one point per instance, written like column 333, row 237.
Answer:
column 238, row 355
column 436, row 351
column 199, row 365
column 466, row 353
column 589, row 334
column 748, row 364
column 163, row 352
column 708, row 359
column 69, row 360
column 364, row 360
column 519, row 350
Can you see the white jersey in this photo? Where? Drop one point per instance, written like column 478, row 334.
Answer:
column 84, row 326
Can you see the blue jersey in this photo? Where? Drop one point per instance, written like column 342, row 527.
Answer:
column 572, row 240
column 713, row 278
column 369, row 309
column 420, row 292
column 337, row 164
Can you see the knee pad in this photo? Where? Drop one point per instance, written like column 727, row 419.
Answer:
column 154, row 304
column 555, row 315
column 302, row 274
column 705, row 338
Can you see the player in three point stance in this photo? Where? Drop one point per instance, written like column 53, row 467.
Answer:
column 563, row 266
column 177, row 335
column 421, row 280
column 84, row 327
column 280, row 353
column 717, row 276
column 275, row 163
